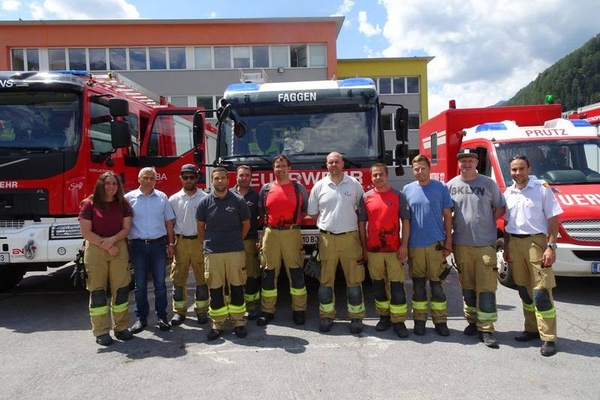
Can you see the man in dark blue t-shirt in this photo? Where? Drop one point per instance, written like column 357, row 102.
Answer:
column 223, row 221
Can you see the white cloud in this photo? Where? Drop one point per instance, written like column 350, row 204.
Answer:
column 485, row 52
column 365, row 27
column 93, row 9
column 10, row 5
column 345, row 7
column 213, row 15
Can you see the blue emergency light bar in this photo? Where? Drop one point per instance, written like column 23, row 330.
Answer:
column 491, row 126
column 580, row 123
column 75, row 72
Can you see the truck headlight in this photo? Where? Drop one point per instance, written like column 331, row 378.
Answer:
column 65, row 232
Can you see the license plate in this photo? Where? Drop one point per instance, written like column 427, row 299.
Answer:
column 4, row 258
column 596, row 268
column 310, row 239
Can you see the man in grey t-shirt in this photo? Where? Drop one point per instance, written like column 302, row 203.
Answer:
column 478, row 203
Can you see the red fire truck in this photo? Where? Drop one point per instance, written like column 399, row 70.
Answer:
column 58, row 132
column 564, row 153
column 305, row 121
column 589, row 113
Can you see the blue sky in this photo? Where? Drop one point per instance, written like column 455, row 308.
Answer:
column 484, row 51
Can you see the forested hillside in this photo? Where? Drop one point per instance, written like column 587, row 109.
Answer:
column 574, row 80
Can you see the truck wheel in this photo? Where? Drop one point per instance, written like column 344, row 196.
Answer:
column 504, row 269
column 10, row 277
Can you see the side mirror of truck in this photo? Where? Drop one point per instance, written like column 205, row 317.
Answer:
column 198, row 128
column 401, row 124
column 119, row 134
column 399, row 171
column 118, row 107
column 401, row 151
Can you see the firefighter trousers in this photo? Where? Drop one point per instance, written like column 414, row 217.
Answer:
column 252, row 289
column 346, row 249
column 387, row 274
column 534, row 284
column 104, row 271
column 188, row 253
column 426, row 264
column 478, row 277
column 286, row 245
column 226, row 272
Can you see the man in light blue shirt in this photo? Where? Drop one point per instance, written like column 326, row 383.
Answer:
column 151, row 231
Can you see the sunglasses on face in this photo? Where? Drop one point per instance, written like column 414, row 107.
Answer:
column 188, row 177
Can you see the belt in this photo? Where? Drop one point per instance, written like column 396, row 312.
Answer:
column 334, row 234
column 524, row 236
column 188, row 237
column 283, row 228
column 149, row 241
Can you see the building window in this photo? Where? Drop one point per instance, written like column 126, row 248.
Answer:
column 318, row 55
column 434, row 148
column 57, row 59
column 177, row 58
column 241, row 57
column 179, row 101
column 157, row 57
column 33, row 60
column 385, row 85
column 18, row 59
column 207, row 103
column 202, row 58
column 399, row 86
column 97, row 59
column 77, row 59
column 222, row 57
column 260, row 56
column 298, row 56
column 280, row 56
column 117, row 59
column 412, row 84
column 386, row 122
column 414, row 120
column 137, row 58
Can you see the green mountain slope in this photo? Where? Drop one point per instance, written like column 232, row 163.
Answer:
column 573, row 80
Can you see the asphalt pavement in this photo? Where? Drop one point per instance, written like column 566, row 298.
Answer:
column 48, row 352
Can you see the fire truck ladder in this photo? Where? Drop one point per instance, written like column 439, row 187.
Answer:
column 122, row 84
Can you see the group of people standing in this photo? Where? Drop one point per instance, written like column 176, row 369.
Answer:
column 236, row 273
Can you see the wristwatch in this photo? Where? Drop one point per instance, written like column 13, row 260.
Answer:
column 552, row 246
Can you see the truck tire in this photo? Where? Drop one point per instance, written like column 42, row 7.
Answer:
column 10, row 277
column 504, row 269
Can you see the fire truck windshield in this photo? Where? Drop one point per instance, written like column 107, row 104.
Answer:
column 303, row 137
column 557, row 162
column 41, row 121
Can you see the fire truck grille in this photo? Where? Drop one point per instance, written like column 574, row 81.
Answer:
column 11, row 224
column 587, row 230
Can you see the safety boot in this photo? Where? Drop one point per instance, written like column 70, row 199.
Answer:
column 240, row 331
column 400, row 329
column 252, row 315
column 489, row 340
column 442, row 329
column 177, row 319
column 419, row 328
column 356, row 326
column 527, row 336
column 264, row 318
column 299, row 317
column 214, row 334
column 385, row 321
column 124, row 335
column 548, row 349
column 325, row 324
column 471, row 329
column 104, row 340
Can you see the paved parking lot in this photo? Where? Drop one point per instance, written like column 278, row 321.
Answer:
column 48, row 352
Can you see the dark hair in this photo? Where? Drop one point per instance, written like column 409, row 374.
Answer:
column 218, row 169
column 421, row 158
column 282, row 157
column 380, row 165
column 520, row 157
column 97, row 197
column 244, row 166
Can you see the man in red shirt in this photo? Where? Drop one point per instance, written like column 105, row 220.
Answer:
column 380, row 211
column 283, row 203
